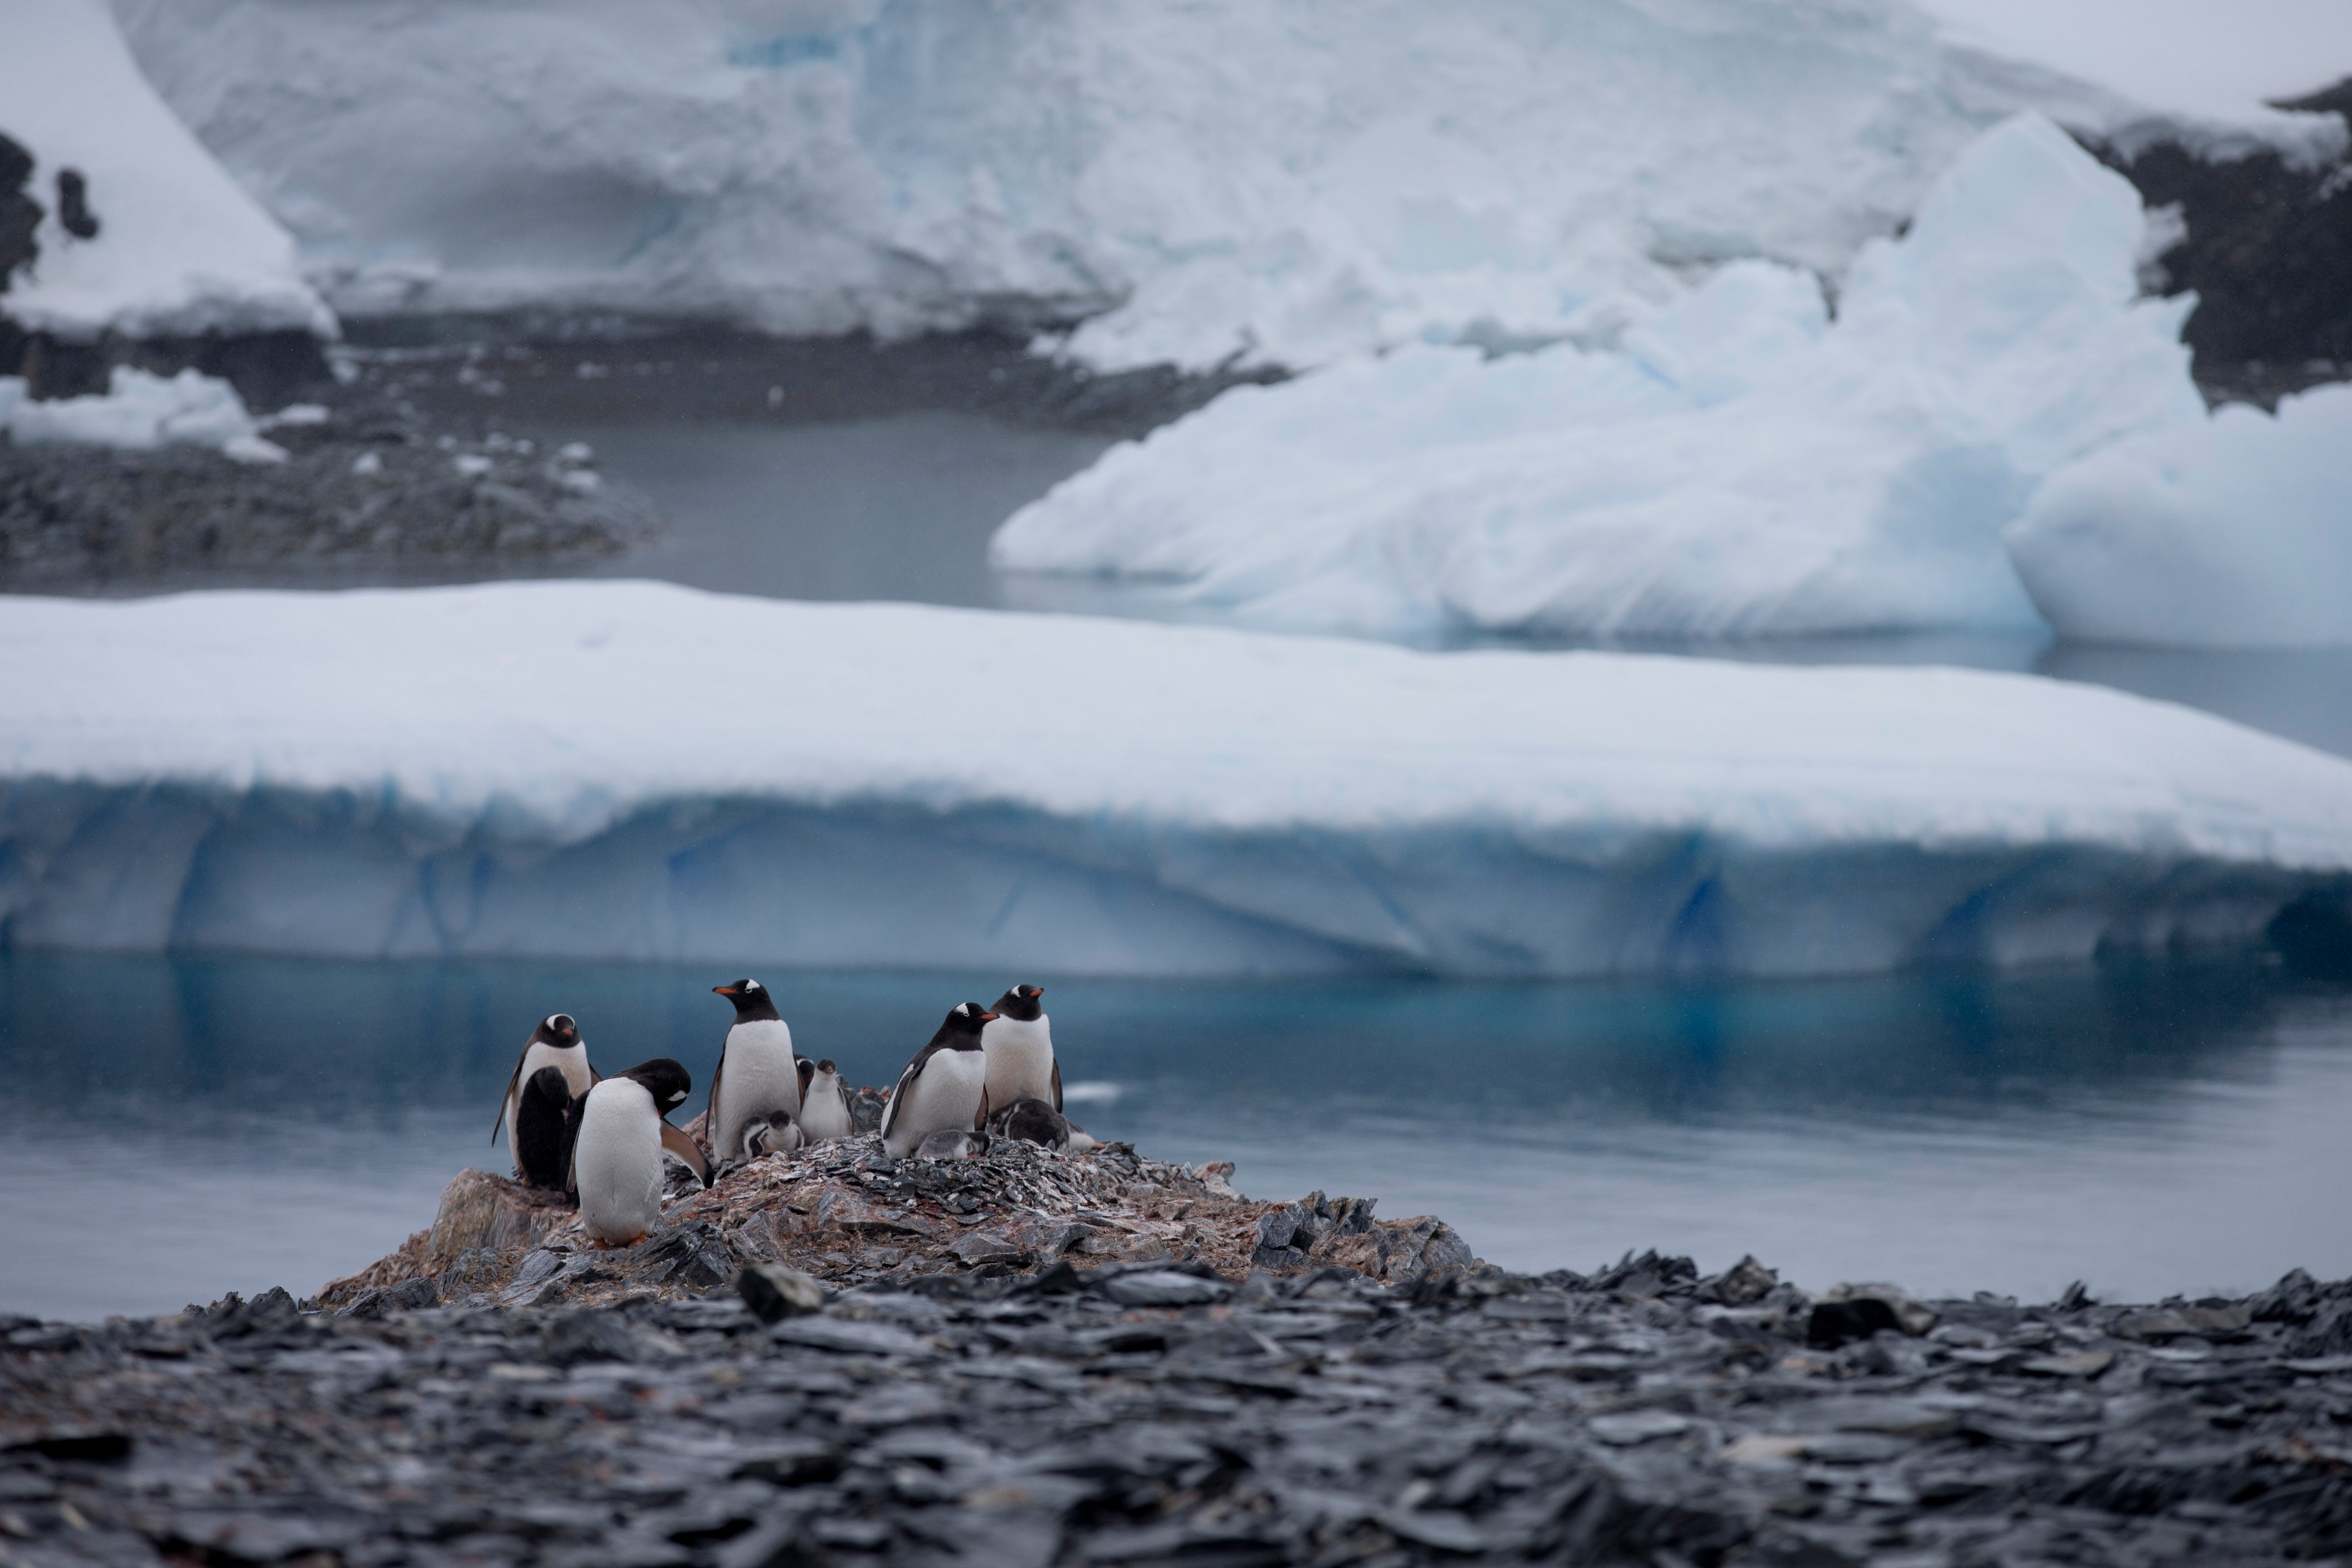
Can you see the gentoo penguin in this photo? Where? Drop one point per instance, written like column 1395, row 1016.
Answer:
column 556, row 1043
column 953, row 1144
column 546, row 1120
column 824, row 1102
column 616, row 1161
column 1029, row 1120
column 758, row 1079
column 945, row 1086
column 1020, row 1047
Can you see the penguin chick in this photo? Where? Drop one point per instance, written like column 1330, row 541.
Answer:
column 824, row 1102
column 556, row 1043
column 945, row 1086
column 616, row 1160
column 953, row 1144
column 758, row 1077
column 778, row 1137
column 545, row 1123
column 1031, row 1121
column 1020, row 1047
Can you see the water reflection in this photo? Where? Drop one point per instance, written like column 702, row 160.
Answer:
column 182, row 1127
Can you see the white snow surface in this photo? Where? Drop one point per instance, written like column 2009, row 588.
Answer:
column 182, row 248
column 1741, row 465
column 139, row 412
column 2232, row 532
column 632, row 770
column 1284, row 182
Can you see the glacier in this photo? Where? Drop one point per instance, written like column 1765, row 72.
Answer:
column 639, row 771
column 1235, row 182
column 1741, row 465
column 182, row 248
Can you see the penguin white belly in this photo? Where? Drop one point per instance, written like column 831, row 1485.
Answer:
column 824, row 1114
column 1020, row 1060
column 617, row 1162
column 945, row 1094
column 573, row 1062
column 759, row 1080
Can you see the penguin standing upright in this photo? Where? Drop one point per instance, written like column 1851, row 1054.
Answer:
column 824, row 1102
column 616, row 1160
column 945, row 1086
column 556, row 1043
column 758, row 1077
column 1020, row 1047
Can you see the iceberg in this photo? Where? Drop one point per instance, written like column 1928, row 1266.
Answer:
column 2233, row 532
column 1253, row 182
column 1742, row 466
column 639, row 771
column 182, row 249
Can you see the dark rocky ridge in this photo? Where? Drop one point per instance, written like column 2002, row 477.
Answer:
column 1152, row 1413
column 2268, row 251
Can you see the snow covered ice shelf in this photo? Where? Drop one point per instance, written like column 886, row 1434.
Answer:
column 1285, row 180
column 1991, row 397
column 182, row 248
column 639, row 771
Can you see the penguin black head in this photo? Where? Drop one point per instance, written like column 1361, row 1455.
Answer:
column 556, row 1029
column 807, row 1071
column 666, row 1080
column 961, row 1029
column 825, row 1065
column 1021, row 1003
column 751, row 1001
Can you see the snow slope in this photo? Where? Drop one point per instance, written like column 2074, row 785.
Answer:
column 1285, row 180
column 180, row 247
column 641, row 771
column 1740, row 466
column 139, row 412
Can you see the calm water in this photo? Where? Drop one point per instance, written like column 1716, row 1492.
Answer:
column 182, row 1128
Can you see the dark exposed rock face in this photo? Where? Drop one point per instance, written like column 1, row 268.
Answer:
column 2268, row 251
column 1150, row 1412
column 20, row 215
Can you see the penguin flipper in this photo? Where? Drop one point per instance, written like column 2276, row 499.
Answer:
column 685, row 1149
column 710, row 1110
column 514, row 1088
column 898, row 1093
column 980, row 1122
column 1057, row 1083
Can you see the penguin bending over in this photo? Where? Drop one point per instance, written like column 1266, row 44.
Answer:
column 616, row 1160
column 546, row 1120
column 824, row 1102
column 1020, row 1047
column 1031, row 1121
column 946, row 1086
column 758, row 1077
column 556, row 1043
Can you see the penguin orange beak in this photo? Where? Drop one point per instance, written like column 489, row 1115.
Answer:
column 723, row 990
column 986, row 1017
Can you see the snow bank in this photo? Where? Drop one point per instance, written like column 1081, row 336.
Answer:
column 2233, row 531
column 181, row 248
column 141, row 412
column 1285, row 180
column 641, row 771
column 1740, row 467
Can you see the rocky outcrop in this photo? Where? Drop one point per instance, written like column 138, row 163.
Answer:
column 850, row 1214
column 2265, row 242
column 363, row 493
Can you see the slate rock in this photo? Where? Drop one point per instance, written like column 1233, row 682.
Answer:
column 774, row 1292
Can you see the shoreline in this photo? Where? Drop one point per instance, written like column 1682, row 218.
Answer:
column 1103, row 1396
